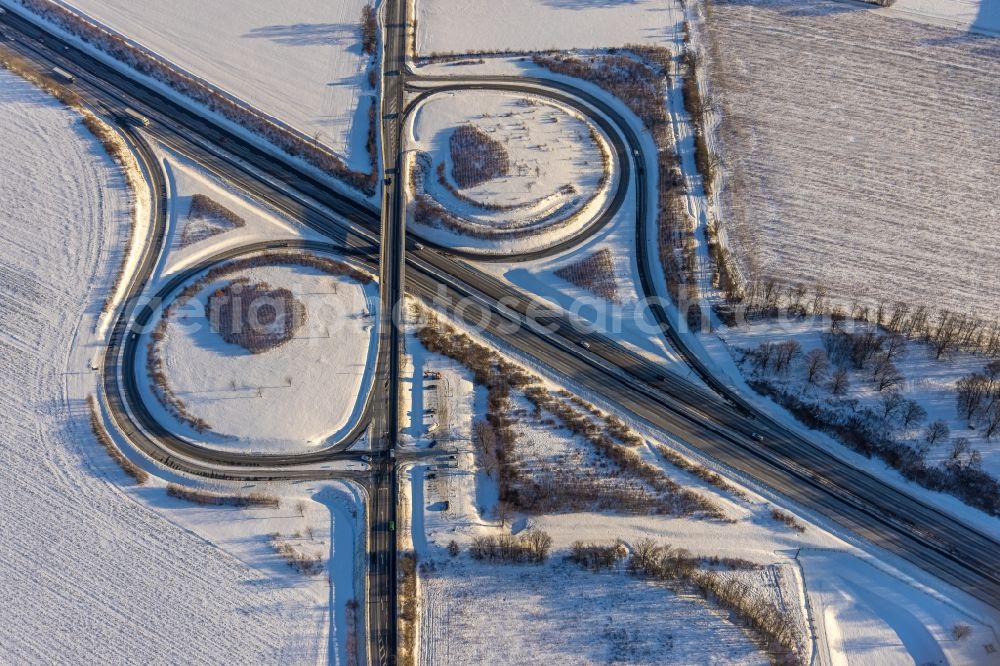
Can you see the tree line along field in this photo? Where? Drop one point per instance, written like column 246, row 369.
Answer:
column 859, row 152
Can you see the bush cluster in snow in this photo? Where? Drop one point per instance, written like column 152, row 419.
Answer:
column 255, row 316
column 476, row 157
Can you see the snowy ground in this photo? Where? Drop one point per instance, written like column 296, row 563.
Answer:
column 305, row 393
column 474, row 611
column 979, row 16
column 560, row 614
column 93, row 572
column 867, row 617
column 556, row 181
column 186, row 178
column 299, row 61
column 859, row 151
column 463, row 26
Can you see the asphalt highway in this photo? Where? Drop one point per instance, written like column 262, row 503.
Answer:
column 382, row 581
column 720, row 427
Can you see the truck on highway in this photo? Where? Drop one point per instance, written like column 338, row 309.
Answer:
column 133, row 117
column 61, row 75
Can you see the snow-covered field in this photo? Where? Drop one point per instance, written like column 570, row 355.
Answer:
column 462, row 26
column 299, row 60
column 561, row 614
column 89, row 571
column 859, row 151
column 300, row 395
column 980, row 16
column 557, row 180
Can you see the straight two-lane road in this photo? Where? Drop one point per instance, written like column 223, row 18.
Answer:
column 382, row 616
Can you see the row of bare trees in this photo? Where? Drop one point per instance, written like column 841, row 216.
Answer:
column 945, row 331
column 218, row 499
column 866, row 431
column 104, row 439
column 700, row 471
column 770, row 625
column 369, row 30
column 622, row 480
column 696, row 108
column 529, row 546
column 408, row 600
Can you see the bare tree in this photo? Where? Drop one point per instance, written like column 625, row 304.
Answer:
column 913, row 413
column 894, row 344
column 504, row 513
column 785, row 353
column 960, row 631
column 917, row 323
column 819, row 299
column 938, row 431
column 972, row 390
column 839, row 383
column 865, row 346
column 960, row 448
column 886, row 375
column 992, row 420
column 538, row 543
column 892, row 403
column 837, row 319
column 645, row 554
column 762, row 356
column 952, row 331
column 816, row 365
column 796, row 300
column 900, row 311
